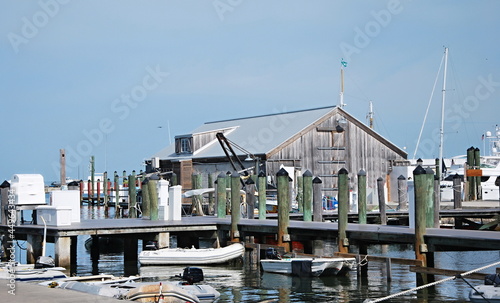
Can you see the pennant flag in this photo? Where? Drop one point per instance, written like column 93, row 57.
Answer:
column 344, row 64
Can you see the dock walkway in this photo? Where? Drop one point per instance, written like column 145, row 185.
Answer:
column 27, row 292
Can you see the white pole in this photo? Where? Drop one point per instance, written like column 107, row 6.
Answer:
column 44, row 236
column 441, row 131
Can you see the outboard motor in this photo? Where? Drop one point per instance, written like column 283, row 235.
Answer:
column 192, row 274
column 272, row 253
column 493, row 279
column 45, row 262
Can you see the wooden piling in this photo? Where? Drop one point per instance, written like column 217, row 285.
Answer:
column 117, row 194
column 211, row 200
column 317, row 200
column 145, row 199
column 98, row 194
column 235, row 205
column 196, row 205
column 457, row 192
column 92, row 178
column 343, row 199
column 221, row 195
column 437, row 200
column 477, row 179
column 471, row 181
column 420, row 181
column 250, row 197
column 381, row 201
column 362, row 197
column 105, row 189
column 62, row 162
column 429, row 198
column 402, row 193
column 307, row 197
column 283, row 209
column 262, row 184
column 300, row 193
column 173, row 179
column 153, row 199
column 132, row 196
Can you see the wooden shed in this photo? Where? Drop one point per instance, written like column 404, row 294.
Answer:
column 321, row 140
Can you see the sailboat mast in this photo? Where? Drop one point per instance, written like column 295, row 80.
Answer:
column 370, row 115
column 441, row 131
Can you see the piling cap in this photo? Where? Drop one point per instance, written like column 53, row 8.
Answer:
column 477, row 149
column 419, row 171
column 343, row 171
column 401, row 177
column 380, row 179
column 221, row 175
column 307, row 173
column 5, row 184
column 282, row 172
column 317, row 180
column 262, row 174
column 429, row 171
column 235, row 174
column 249, row 181
column 362, row 172
column 456, row 176
column 154, row 177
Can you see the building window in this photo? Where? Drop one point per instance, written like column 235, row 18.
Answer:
column 184, row 145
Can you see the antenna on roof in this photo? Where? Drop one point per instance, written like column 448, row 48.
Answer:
column 342, row 65
column 369, row 116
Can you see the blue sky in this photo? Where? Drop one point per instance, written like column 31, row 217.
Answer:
column 114, row 78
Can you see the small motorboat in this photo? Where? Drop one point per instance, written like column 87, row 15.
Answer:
column 192, row 256
column 489, row 292
column 312, row 267
column 154, row 292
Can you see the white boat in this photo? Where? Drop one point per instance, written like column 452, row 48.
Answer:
column 29, row 273
column 191, row 256
column 489, row 292
column 308, row 266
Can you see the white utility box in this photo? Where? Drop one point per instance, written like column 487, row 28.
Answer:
column 28, row 189
column 54, row 216
column 67, row 199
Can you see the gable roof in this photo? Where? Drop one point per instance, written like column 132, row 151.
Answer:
column 263, row 134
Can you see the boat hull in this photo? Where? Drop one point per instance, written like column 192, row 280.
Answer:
column 191, row 256
column 490, row 292
column 307, row 266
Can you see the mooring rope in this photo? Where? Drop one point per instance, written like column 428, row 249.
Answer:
column 430, row 284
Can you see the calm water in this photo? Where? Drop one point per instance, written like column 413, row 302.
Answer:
column 244, row 283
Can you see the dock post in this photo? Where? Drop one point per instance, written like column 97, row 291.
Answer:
column 63, row 251
column 98, row 194
column 221, row 195
column 153, row 198
column 343, row 199
column 402, row 193
column 381, row 201
column 92, row 179
column 477, row 164
column 250, row 197
column 300, row 194
column 235, row 206
column 105, row 190
column 362, row 197
column 163, row 239
column 132, row 196
column 457, row 192
column 437, row 200
column 471, row 181
column 283, row 209
column 419, row 177
column 130, row 254
column 307, row 196
column 211, row 200
column 89, row 190
column 117, row 194
column 429, row 198
column 34, row 248
column 262, row 195
column 196, row 205
column 317, row 200
column 82, row 188
column 173, row 179
column 145, row 199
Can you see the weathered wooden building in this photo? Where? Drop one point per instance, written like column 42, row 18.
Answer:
column 321, row 140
